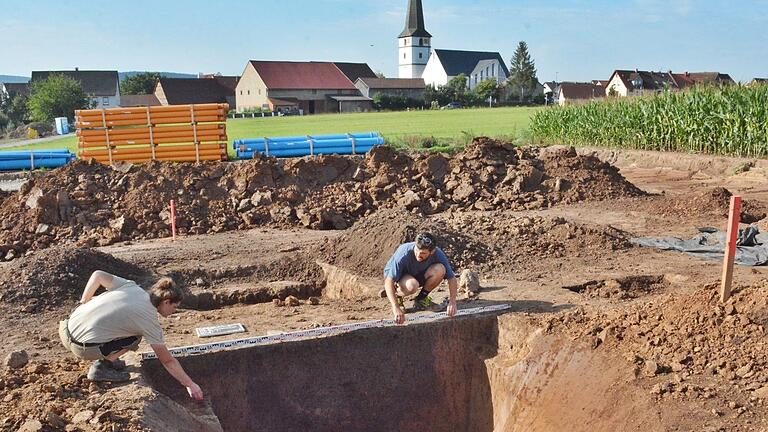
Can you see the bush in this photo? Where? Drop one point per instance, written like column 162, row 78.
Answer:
column 395, row 103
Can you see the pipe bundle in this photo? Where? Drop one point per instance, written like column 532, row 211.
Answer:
column 34, row 159
column 358, row 143
column 169, row 133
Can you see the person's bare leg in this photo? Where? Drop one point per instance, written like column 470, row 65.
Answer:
column 407, row 285
column 434, row 275
column 115, row 355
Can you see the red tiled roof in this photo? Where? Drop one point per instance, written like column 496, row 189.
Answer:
column 302, row 75
column 394, row 83
column 139, row 100
column 574, row 90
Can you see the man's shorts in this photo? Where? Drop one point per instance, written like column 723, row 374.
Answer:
column 95, row 351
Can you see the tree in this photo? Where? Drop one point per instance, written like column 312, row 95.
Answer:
column 522, row 73
column 380, row 74
column 56, row 96
column 143, row 83
column 487, row 89
column 17, row 110
column 456, row 88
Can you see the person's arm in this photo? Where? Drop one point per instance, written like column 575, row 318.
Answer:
column 98, row 279
column 453, row 287
column 391, row 290
column 174, row 368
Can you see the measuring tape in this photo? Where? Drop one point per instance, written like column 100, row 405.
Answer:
column 314, row 333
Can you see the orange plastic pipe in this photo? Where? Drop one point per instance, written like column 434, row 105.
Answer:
column 154, row 140
column 153, row 117
column 170, row 120
column 155, row 130
column 154, row 109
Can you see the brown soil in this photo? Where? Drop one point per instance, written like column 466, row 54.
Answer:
column 56, row 276
column 714, row 202
column 637, row 342
column 90, row 204
column 494, row 242
column 694, row 347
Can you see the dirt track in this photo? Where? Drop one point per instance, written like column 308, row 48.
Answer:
column 559, row 255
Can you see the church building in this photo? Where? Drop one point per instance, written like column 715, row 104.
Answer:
column 417, row 59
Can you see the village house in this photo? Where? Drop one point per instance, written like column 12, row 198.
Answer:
column 101, row 87
column 311, row 87
column 209, row 89
column 577, row 92
column 409, row 88
column 638, row 83
column 11, row 90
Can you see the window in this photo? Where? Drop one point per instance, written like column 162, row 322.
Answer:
column 403, row 55
column 105, row 101
column 249, row 92
column 493, row 69
column 419, row 55
column 241, row 92
column 259, row 91
column 314, row 91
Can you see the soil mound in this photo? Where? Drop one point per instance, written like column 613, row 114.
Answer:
column 89, row 204
column 368, row 245
column 488, row 241
column 698, row 347
column 712, row 202
column 516, row 242
column 57, row 276
column 629, row 287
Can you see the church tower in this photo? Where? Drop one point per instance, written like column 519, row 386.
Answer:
column 414, row 43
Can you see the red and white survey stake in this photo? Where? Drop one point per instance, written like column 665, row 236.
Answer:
column 730, row 248
column 173, row 219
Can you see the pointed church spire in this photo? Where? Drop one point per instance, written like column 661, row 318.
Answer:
column 414, row 21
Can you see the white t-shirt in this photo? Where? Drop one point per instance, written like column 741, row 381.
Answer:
column 123, row 311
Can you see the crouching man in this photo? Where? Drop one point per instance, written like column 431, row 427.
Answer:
column 106, row 326
column 418, row 266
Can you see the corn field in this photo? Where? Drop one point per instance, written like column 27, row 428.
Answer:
column 731, row 120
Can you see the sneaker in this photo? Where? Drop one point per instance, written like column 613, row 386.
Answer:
column 426, row 304
column 99, row 371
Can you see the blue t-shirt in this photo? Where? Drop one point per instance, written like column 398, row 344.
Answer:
column 404, row 262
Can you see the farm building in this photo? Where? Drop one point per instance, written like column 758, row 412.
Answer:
column 101, row 87
column 312, row 87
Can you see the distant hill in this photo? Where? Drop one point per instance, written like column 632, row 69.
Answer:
column 13, row 79
column 124, row 75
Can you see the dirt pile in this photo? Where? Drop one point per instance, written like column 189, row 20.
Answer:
column 696, row 347
column 629, row 287
column 366, row 247
column 90, row 204
column 713, row 202
column 488, row 241
column 57, row 276
column 54, row 396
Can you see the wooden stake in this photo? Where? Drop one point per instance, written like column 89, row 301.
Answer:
column 730, row 248
column 173, row 219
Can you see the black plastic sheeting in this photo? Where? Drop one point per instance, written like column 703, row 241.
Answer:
column 751, row 246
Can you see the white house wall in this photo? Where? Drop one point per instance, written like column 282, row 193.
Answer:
column 251, row 91
column 434, row 73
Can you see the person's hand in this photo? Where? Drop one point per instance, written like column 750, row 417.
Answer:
column 399, row 314
column 195, row 392
column 451, row 308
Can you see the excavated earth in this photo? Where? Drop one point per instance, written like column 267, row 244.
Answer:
column 600, row 335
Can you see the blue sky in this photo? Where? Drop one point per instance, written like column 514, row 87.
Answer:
column 569, row 39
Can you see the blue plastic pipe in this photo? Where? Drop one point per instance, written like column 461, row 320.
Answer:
column 315, row 144
column 26, row 164
column 346, row 150
column 237, row 143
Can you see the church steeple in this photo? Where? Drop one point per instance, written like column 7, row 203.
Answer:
column 414, row 43
column 414, row 21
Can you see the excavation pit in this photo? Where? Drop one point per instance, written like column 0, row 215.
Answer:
column 473, row 373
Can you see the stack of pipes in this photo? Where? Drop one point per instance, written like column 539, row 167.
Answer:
column 34, row 159
column 168, row 133
column 356, row 143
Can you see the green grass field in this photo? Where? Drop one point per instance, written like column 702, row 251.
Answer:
column 450, row 128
